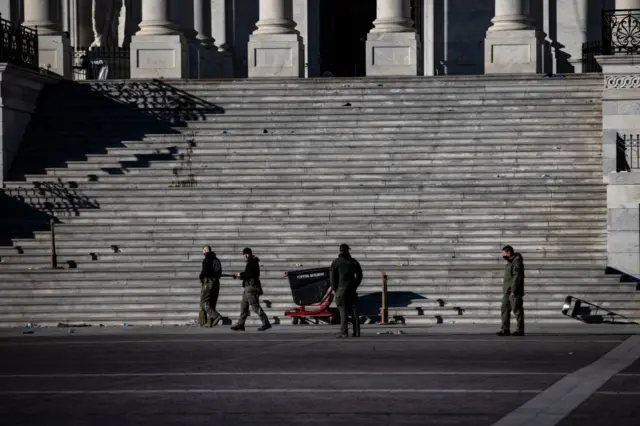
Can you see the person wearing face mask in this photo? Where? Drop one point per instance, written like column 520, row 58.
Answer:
column 512, row 292
column 252, row 289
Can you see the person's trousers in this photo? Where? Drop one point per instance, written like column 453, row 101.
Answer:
column 348, row 307
column 251, row 300
column 512, row 303
column 209, row 297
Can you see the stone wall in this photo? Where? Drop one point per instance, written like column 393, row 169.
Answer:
column 19, row 92
column 621, row 115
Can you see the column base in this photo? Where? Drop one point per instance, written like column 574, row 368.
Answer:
column 276, row 55
column 55, row 54
column 159, row 56
column 392, row 53
column 514, row 52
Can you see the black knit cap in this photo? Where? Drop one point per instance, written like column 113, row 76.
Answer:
column 344, row 248
column 247, row 250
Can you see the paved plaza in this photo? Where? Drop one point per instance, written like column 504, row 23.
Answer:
column 303, row 376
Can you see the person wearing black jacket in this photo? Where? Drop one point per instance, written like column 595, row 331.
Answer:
column 252, row 291
column 346, row 276
column 210, row 280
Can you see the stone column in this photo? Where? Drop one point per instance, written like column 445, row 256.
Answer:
column 54, row 47
column 512, row 44
column 571, row 31
column 208, row 66
column 392, row 44
column 158, row 50
column 275, row 48
column 219, row 32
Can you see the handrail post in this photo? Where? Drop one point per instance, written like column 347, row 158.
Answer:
column 54, row 257
column 384, row 309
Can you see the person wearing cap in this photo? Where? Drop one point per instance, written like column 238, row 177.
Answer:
column 252, row 291
column 346, row 276
column 210, row 280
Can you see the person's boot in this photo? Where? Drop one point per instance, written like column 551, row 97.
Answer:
column 265, row 327
column 503, row 333
column 216, row 320
column 518, row 333
column 238, row 327
column 341, row 335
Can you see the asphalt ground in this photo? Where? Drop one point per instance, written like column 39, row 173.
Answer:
column 186, row 376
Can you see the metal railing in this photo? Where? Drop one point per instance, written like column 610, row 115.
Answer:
column 101, row 63
column 621, row 31
column 18, row 44
column 627, row 152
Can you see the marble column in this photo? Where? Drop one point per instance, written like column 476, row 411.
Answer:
column 54, row 47
column 159, row 49
column 219, row 33
column 571, row 33
column 208, row 65
column 275, row 48
column 512, row 44
column 392, row 44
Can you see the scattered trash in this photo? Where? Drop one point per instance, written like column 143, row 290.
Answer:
column 124, row 324
column 297, row 265
column 265, row 131
column 391, row 332
column 115, row 248
column 72, row 330
column 28, row 332
column 347, row 104
column 101, row 325
column 545, row 176
column 380, row 85
column 224, row 132
column 67, row 325
column 93, row 256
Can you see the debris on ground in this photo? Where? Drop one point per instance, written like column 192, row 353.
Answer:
column 68, row 325
column 347, row 104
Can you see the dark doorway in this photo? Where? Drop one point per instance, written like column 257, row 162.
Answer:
column 343, row 32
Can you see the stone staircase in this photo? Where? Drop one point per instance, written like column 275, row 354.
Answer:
column 425, row 178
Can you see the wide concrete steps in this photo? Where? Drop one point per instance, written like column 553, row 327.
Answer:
column 426, row 178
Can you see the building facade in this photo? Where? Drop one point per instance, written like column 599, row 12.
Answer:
column 310, row 38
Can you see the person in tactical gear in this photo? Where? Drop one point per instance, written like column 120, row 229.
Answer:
column 210, row 280
column 252, row 291
column 346, row 276
column 512, row 292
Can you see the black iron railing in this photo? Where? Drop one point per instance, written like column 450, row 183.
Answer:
column 621, row 31
column 101, row 63
column 590, row 50
column 18, row 44
column 627, row 152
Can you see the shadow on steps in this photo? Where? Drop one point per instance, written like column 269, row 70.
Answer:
column 76, row 119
